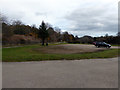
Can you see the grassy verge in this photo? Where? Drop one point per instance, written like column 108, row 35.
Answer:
column 25, row 53
column 115, row 45
column 18, row 45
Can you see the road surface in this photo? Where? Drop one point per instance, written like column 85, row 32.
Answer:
column 92, row 73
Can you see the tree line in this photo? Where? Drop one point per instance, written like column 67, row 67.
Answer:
column 46, row 33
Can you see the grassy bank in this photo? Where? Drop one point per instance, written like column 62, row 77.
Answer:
column 26, row 53
column 115, row 45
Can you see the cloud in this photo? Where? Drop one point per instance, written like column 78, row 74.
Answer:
column 93, row 20
column 79, row 17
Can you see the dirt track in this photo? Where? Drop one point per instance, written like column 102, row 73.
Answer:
column 69, row 49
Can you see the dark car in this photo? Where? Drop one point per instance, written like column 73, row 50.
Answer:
column 101, row 44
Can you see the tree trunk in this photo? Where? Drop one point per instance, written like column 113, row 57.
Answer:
column 43, row 41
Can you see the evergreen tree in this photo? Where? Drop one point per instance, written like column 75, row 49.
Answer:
column 43, row 32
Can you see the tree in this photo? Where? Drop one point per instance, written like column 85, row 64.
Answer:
column 4, row 19
column 106, row 35
column 58, row 30
column 66, row 36
column 34, row 31
column 19, row 27
column 43, row 32
column 52, row 35
column 118, row 34
column 7, row 33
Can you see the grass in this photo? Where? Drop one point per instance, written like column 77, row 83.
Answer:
column 9, row 45
column 115, row 45
column 25, row 53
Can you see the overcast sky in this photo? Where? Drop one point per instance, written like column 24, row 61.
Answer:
column 78, row 17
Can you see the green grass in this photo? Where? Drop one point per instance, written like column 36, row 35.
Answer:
column 9, row 45
column 25, row 53
column 115, row 45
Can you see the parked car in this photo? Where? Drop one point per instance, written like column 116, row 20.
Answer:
column 101, row 44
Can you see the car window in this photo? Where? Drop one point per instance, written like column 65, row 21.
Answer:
column 104, row 43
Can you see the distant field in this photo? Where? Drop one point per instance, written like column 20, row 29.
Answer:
column 56, row 52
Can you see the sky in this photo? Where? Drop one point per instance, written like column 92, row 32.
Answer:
column 78, row 17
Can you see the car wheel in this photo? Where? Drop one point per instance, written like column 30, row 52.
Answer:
column 107, row 47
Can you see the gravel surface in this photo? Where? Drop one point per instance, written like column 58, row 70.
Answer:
column 70, row 48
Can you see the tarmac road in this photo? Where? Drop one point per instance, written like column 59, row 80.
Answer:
column 92, row 73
